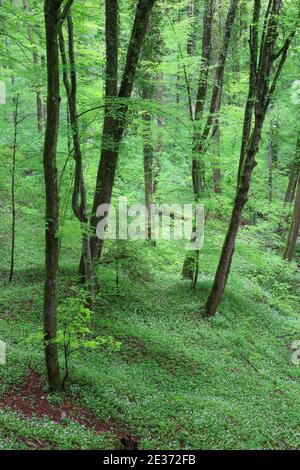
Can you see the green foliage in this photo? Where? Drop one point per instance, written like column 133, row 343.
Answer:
column 145, row 359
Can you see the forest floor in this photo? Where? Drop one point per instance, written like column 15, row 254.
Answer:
column 179, row 381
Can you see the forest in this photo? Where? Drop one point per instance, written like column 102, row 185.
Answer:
column 150, row 215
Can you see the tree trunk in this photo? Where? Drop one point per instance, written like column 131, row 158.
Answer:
column 51, row 192
column 270, row 161
column 290, row 248
column 148, row 164
column 13, row 196
column 79, row 199
column 229, row 244
column 39, row 101
column 290, row 193
column 261, row 88
column 115, row 122
column 191, row 42
column 216, row 42
column 294, row 193
column 201, row 135
column 160, row 136
column 291, row 189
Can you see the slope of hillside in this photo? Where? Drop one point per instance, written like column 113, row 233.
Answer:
column 178, row 381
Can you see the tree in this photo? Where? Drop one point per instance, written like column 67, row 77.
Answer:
column 146, row 82
column 13, row 190
column 262, row 84
column 116, row 106
column 204, row 129
column 294, row 170
column 53, row 17
column 36, row 63
column 79, row 197
column 290, row 248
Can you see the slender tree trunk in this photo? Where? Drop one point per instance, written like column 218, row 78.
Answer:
column 294, row 194
column 13, row 196
column 217, row 175
column 115, row 119
column 148, row 163
column 270, row 161
column 290, row 248
column 151, row 54
column 216, row 41
column 198, row 170
column 178, row 76
column 79, row 199
column 160, row 137
column 262, row 86
column 202, row 134
column 36, row 63
column 190, row 264
column 291, row 189
column 229, row 244
column 52, row 11
column 191, row 42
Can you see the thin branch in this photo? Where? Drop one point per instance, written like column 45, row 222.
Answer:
column 66, row 10
column 186, row 78
column 90, row 110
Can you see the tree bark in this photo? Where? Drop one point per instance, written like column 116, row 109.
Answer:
column 52, row 11
column 202, row 133
column 148, row 164
column 79, row 199
column 191, row 43
column 294, row 194
column 291, row 189
column 13, row 195
column 291, row 245
column 261, row 87
column 115, row 119
column 160, row 136
column 216, row 41
column 39, row 101
column 270, row 161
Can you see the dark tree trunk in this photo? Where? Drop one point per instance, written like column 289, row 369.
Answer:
column 115, row 119
column 294, row 194
column 148, row 164
column 13, row 196
column 262, row 86
column 160, row 137
column 290, row 193
column 79, row 199
column 202, row 134
column 291, row 189
column 229, row 244
column 216, row 42
column 270, row 161
column 290, row 248
column 197, row 165
column 110, row 148
column 52, row 12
